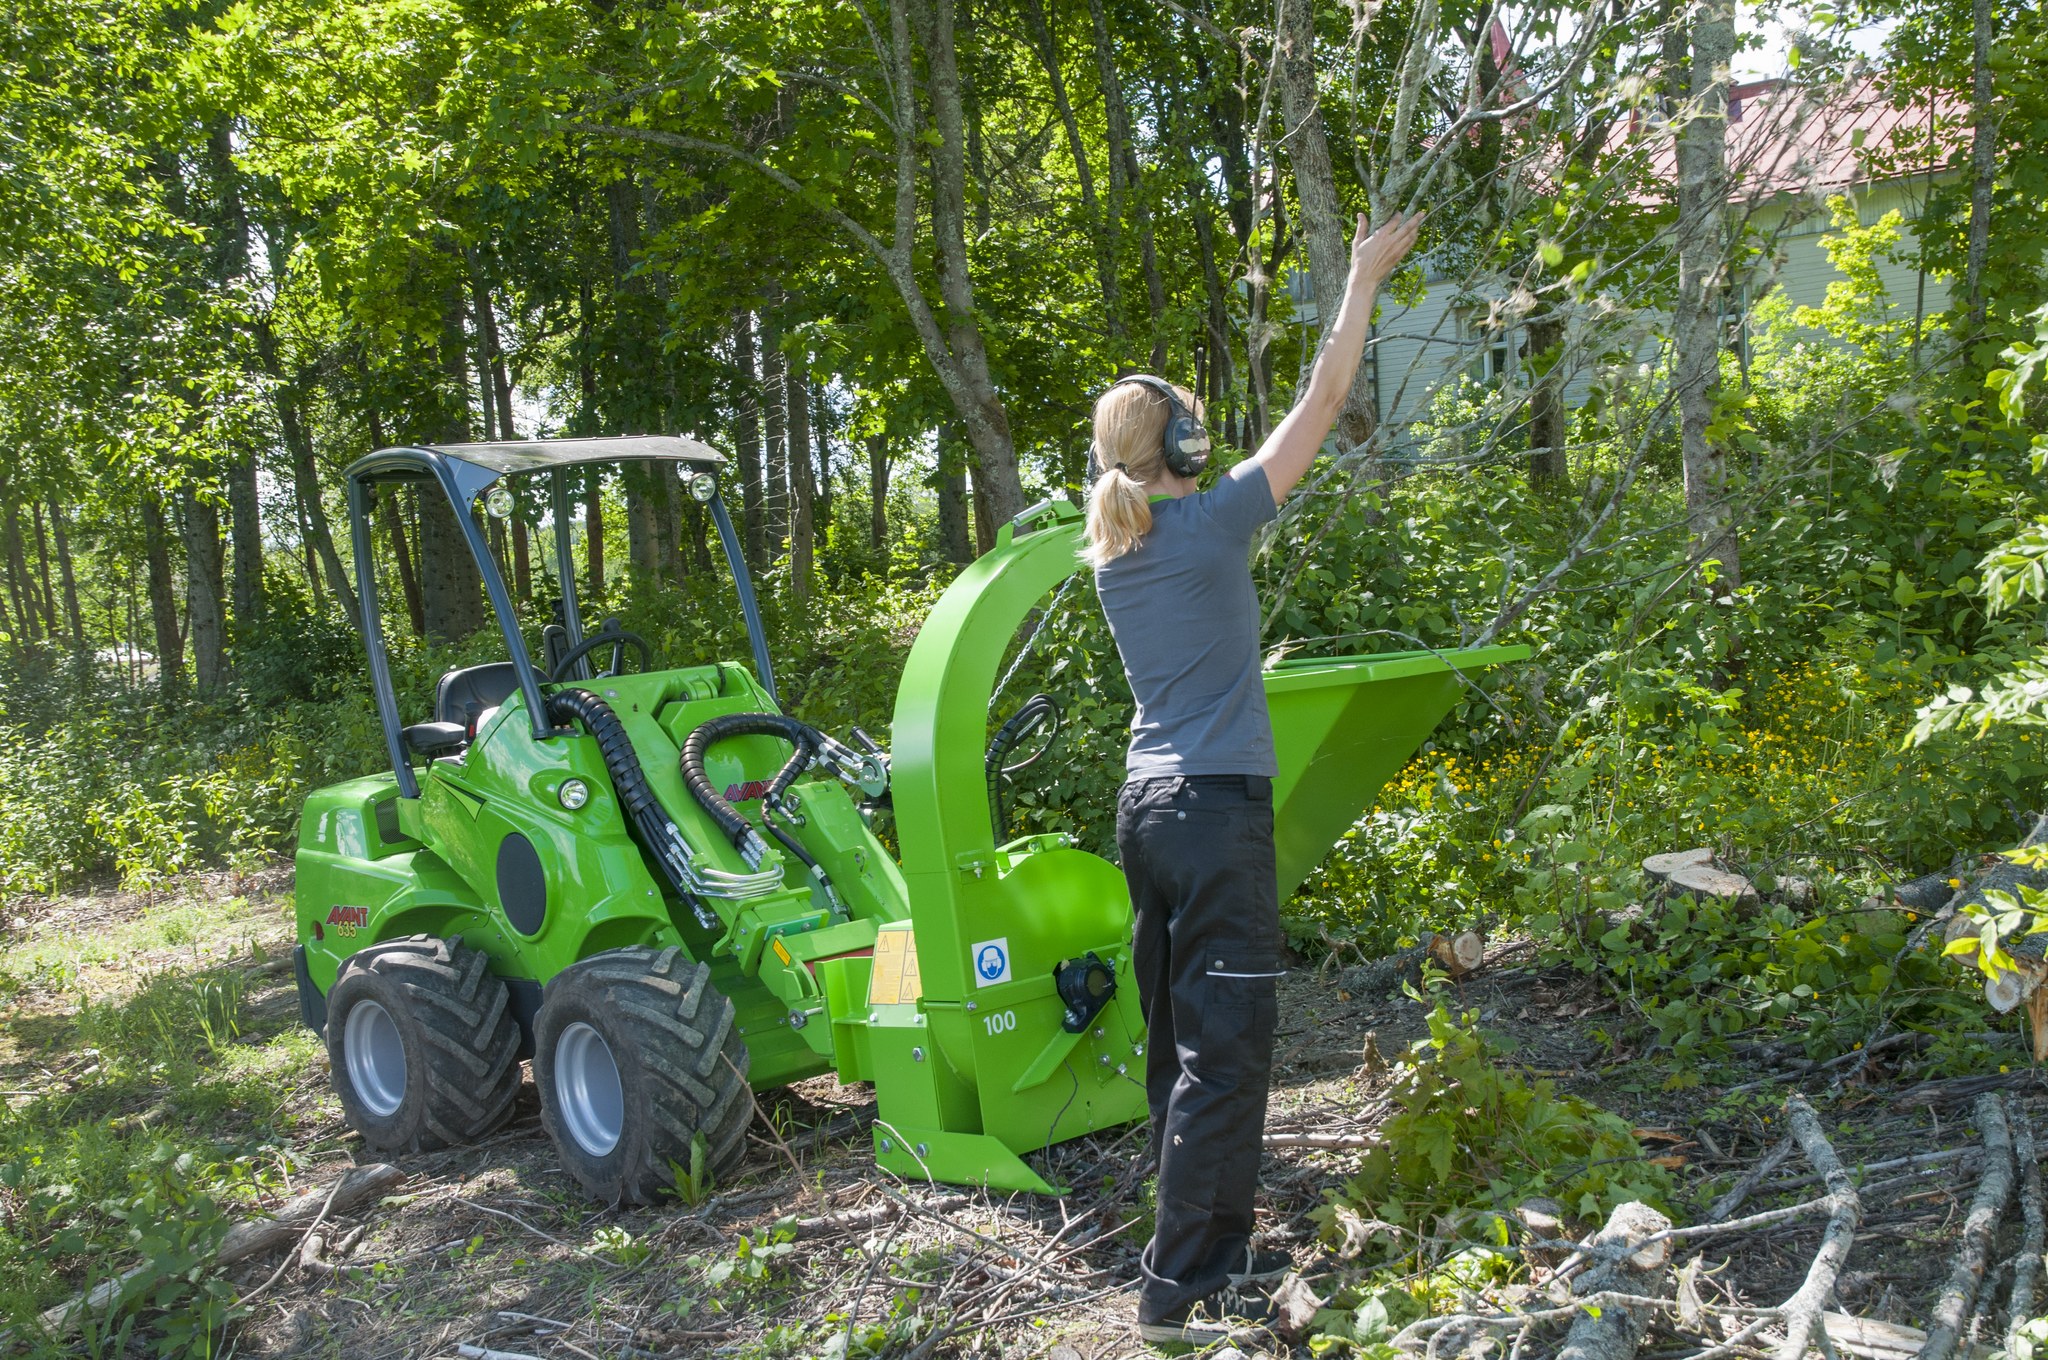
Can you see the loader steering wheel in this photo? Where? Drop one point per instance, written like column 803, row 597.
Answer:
column 618, row 639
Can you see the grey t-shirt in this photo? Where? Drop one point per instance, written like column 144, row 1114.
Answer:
column 1185, row 616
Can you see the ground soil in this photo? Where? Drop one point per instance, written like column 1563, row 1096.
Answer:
column 492, row 1247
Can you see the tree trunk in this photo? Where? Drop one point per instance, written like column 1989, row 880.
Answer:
column 1126, row 193
column 803, row 491
column 306, row 481
column 17, row 577
column 775, row 408
column 49, row 596
column 643, row 533
column 1047, row 46
column 1322, row 215
column 593, row 534
column 199, row 524
column 69, row 578
column 1216, row 318
column 878, row 490
column 1549, row 469
column 747, row 436
column 951, row 485
column 1983, row 163
column 451, row 590
column 821, row 445
column 981, row 410
column 402, row 552
column 245, row 533
column 1696, row 323
column 522, row 560
column 308, row 559
column 163, row 599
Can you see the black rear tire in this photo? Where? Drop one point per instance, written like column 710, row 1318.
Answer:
column 670, row 1044
column 432, row 1058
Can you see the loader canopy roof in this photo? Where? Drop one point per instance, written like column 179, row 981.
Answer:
column 476, row 466
column 464, row 472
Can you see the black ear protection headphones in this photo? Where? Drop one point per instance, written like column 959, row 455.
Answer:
column 1186, row 445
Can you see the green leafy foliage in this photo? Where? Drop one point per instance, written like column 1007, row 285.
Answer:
column 1468, row 1139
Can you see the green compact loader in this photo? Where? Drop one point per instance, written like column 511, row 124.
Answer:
column 663, row 888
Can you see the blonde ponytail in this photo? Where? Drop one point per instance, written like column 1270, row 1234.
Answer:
column 1119, row 514
column 1130, row 427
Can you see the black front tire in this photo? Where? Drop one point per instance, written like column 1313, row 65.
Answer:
column 670, row 1043
column 431, row 1059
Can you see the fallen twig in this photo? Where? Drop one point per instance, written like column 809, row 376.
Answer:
column 1320, row 1140
column 1423, row 1328
column 1918, row 1159
column 1959, row 1088
column 244, row 1239
column 1952, row 1310
column 1802, row 1311
column 867, row 1216
column 2026, row 1268
column 1745, row 1187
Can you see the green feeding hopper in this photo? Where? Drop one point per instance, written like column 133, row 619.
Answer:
column 1343, row 726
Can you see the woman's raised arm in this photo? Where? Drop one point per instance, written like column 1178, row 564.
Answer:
column 1292, row 446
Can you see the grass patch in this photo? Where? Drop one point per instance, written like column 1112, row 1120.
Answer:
column 155, row 1086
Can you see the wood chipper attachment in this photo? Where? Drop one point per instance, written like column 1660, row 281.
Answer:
column 661, row 887
column 994, row 1056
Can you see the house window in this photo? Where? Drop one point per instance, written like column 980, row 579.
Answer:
column 1490, row 342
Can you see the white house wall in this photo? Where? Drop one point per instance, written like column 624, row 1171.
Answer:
column 1419, row 347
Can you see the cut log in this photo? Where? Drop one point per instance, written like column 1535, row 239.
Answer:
column 1952, row 1309
column 1614, row 1332
column 359, row 1186
column 1659, row 868
column 1930, row 892
column 1704, row 880
column 1458, row 954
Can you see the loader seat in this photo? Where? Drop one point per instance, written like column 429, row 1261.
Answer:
column 463, row 696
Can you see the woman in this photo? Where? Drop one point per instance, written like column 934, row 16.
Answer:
column 1195, row 817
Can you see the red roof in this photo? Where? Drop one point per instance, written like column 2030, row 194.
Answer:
column 1792, row 138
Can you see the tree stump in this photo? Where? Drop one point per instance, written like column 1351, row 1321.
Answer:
column 1659, row 868
column 1706, row 881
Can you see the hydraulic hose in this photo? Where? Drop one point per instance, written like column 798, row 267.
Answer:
column 662, row 839
column 808, row 746
column 709, row 733
column 1034, row 713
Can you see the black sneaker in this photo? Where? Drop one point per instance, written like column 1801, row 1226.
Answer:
column 1261, row 1267
column 1231, row 1314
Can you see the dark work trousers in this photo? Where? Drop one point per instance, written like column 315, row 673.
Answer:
column 1198, row 851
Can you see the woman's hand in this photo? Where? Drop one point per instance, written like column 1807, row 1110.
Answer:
column 1377, row 254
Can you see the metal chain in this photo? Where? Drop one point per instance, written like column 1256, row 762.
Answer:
column 1031, row 640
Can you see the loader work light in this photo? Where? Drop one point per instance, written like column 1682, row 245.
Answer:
column 573, row 794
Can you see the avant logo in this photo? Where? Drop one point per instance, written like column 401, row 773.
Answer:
column 349, row 916
column 747, row 792
column 991, row 961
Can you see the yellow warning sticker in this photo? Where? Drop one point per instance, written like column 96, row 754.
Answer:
column 894, row 980
column 781, row 949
